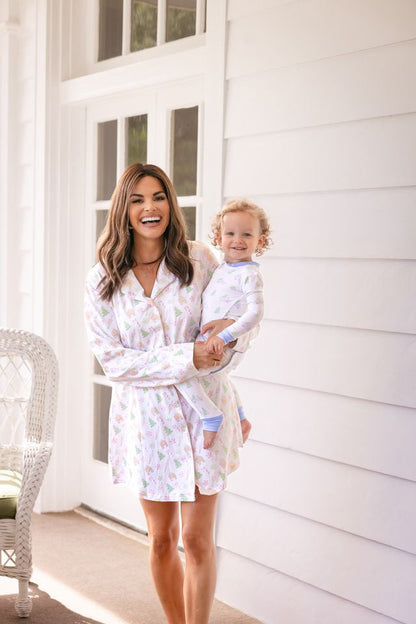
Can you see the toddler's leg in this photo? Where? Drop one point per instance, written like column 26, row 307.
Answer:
column 193, row 392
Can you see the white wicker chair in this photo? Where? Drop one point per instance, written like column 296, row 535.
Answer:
column 28, row 395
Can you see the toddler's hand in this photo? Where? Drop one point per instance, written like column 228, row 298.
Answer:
column 215, row 345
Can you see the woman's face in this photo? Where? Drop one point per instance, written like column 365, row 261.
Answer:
column 148, row 209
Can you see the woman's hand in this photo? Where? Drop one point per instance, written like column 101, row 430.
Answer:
column 204, row 359
column 216, row 326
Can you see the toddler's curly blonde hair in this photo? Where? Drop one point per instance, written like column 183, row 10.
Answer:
column 242, row 205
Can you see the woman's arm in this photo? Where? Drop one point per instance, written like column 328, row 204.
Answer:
column 163, row 366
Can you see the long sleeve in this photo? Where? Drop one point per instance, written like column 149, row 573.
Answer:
column 253, row 293
column 160, row 366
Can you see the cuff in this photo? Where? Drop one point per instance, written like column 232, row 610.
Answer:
column 213, row 423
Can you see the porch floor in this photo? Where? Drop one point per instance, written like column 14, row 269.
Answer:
column 88, row 573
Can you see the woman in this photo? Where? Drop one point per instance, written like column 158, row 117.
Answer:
column 143, row 307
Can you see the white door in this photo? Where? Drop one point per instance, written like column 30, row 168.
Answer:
column 160, row 125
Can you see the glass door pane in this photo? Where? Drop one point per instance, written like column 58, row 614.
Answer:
column 102, row 400
column 136, row 139
column 184, row 150
column 106, row 159
column 143, row 33
column 110, row 34
column 189, row 212
column 180, row 19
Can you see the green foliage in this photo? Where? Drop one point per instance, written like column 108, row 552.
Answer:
column 137, row 139
column 180, row 23
column 143, row 25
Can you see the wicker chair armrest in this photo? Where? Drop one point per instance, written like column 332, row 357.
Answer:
column 36, row 459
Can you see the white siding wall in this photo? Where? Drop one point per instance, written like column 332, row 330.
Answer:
column 317, row 525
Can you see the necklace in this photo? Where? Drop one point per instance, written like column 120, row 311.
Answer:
column 151, row 262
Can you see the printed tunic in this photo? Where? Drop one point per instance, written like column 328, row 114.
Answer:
column 145, row 347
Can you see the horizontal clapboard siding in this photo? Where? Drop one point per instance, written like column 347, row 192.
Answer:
column 286, row 597
column 342, row 292
column 349, row 224
column 320, row 130
column 363, row 571
column 367, row 434
column 367, row 154
column 302, row 31
column 361, row 502
column 377, row 366
column 336, row 90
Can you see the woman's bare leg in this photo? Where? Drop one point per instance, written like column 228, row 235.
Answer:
column 200, row 572
column 165, row 565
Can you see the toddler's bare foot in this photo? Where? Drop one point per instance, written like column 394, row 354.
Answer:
column 245, row 429
column 209, row 437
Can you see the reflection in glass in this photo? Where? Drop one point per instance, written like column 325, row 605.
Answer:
column 136, row 140
column 143, row 33
column 110, row 29
column 180, row 19
column 100, row 221
column 102, row 400
column 184, row 150
column 189, row 212
column 106, row 159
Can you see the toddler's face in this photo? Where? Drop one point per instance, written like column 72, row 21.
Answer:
column 240, row 236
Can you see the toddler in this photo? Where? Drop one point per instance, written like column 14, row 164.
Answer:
column 232, row 303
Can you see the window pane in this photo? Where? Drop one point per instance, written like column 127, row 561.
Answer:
column 136, row 141
column 106, row 159
column 110, row 29
column 189, row 212
column 180, row 19
column 102, row 400
column 184, row 150
column 143, row 24
column 100, row 221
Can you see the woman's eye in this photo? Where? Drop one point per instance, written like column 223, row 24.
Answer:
column 160, row 198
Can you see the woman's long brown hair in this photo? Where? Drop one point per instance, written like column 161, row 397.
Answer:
column 115, row 245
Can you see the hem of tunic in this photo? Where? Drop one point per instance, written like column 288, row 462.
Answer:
column 183, row 498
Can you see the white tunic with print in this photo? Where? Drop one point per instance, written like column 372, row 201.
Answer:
column 145, row 346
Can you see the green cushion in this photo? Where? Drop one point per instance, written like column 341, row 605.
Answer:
column 10, row 484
